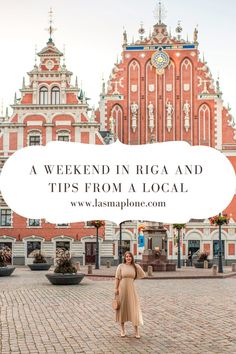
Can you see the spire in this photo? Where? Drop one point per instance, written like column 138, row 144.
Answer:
column 15, row 98
column 23, row 82
column 218, row 90
column 141, row 31
column 76, row 81
column 160, row 13
column 64, row 55
column 50, row 29
column 7, row 113
column 150, row 33
column 195, row 35
column 203, row 58
column 35, row 56
column 2, row 108
column 103, row 86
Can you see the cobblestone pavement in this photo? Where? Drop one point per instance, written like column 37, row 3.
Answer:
column 180, row 316
column 188, row 272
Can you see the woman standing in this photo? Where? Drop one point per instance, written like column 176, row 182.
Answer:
column 129, row 309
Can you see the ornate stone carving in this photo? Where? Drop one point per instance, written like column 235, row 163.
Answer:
column 134, row 110
column 151, row 116
column 186, row 110
column 169, row 113
column 231, row 123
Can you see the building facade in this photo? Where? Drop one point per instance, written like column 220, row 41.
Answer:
column 50, row 108
column 162, row 91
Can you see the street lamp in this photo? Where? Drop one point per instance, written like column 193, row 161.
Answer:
column 179, row 227
column 220, row 220
column 220, row 266
column 97, row 224
column 120, row 244
column 120, row 241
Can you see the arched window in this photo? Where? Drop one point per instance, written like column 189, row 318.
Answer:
column 63, row 135
column 34, row 138
column 43, row 95
column 55, row 95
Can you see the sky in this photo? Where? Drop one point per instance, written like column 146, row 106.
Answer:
column 91, row 31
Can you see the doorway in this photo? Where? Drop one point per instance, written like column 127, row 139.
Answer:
column 193, row 246
column 216, row 248
column 90, row 252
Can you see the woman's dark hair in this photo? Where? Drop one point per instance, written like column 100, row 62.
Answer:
column 132, row 262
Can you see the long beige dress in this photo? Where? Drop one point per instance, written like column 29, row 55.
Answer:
column 129, row 302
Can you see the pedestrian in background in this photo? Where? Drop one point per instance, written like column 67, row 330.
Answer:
column 129, row 309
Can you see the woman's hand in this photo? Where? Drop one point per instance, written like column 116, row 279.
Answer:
column 116, row 291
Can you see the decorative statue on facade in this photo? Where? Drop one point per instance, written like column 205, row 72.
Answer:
column 124, row 37
column 134, row 110
column 195, row 35
column 231, row 123
column 151, row 115
column 186, row 110
column 169, row 112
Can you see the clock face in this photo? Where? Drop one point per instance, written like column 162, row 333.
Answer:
column 50, row 64
column 160, row 60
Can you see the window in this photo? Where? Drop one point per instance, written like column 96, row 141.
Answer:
column 63, row 138
column 43, row 95
column 34, row 140
column 5, row 217
column 63, row 225
column 34, row 222
column 55, row 95
column 63, row 135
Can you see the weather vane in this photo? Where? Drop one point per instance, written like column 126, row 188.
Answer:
column 51, row 29
column 160, row 12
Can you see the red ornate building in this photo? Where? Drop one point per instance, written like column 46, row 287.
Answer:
column 162, row 91
column 50, row 108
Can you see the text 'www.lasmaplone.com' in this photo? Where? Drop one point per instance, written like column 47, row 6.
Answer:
column 119, row 204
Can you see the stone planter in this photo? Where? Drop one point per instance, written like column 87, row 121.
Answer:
column 170, row 267
column 39, row 266
column 6, row 271
column 201, row 264
column 65, row 279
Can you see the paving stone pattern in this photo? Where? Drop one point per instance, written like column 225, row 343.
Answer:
column 180, row 316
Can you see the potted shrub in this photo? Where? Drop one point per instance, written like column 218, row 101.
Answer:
column 5, row 270
column 65, row 272
column 39, row 262
column 219, row 220
column 202, row 256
